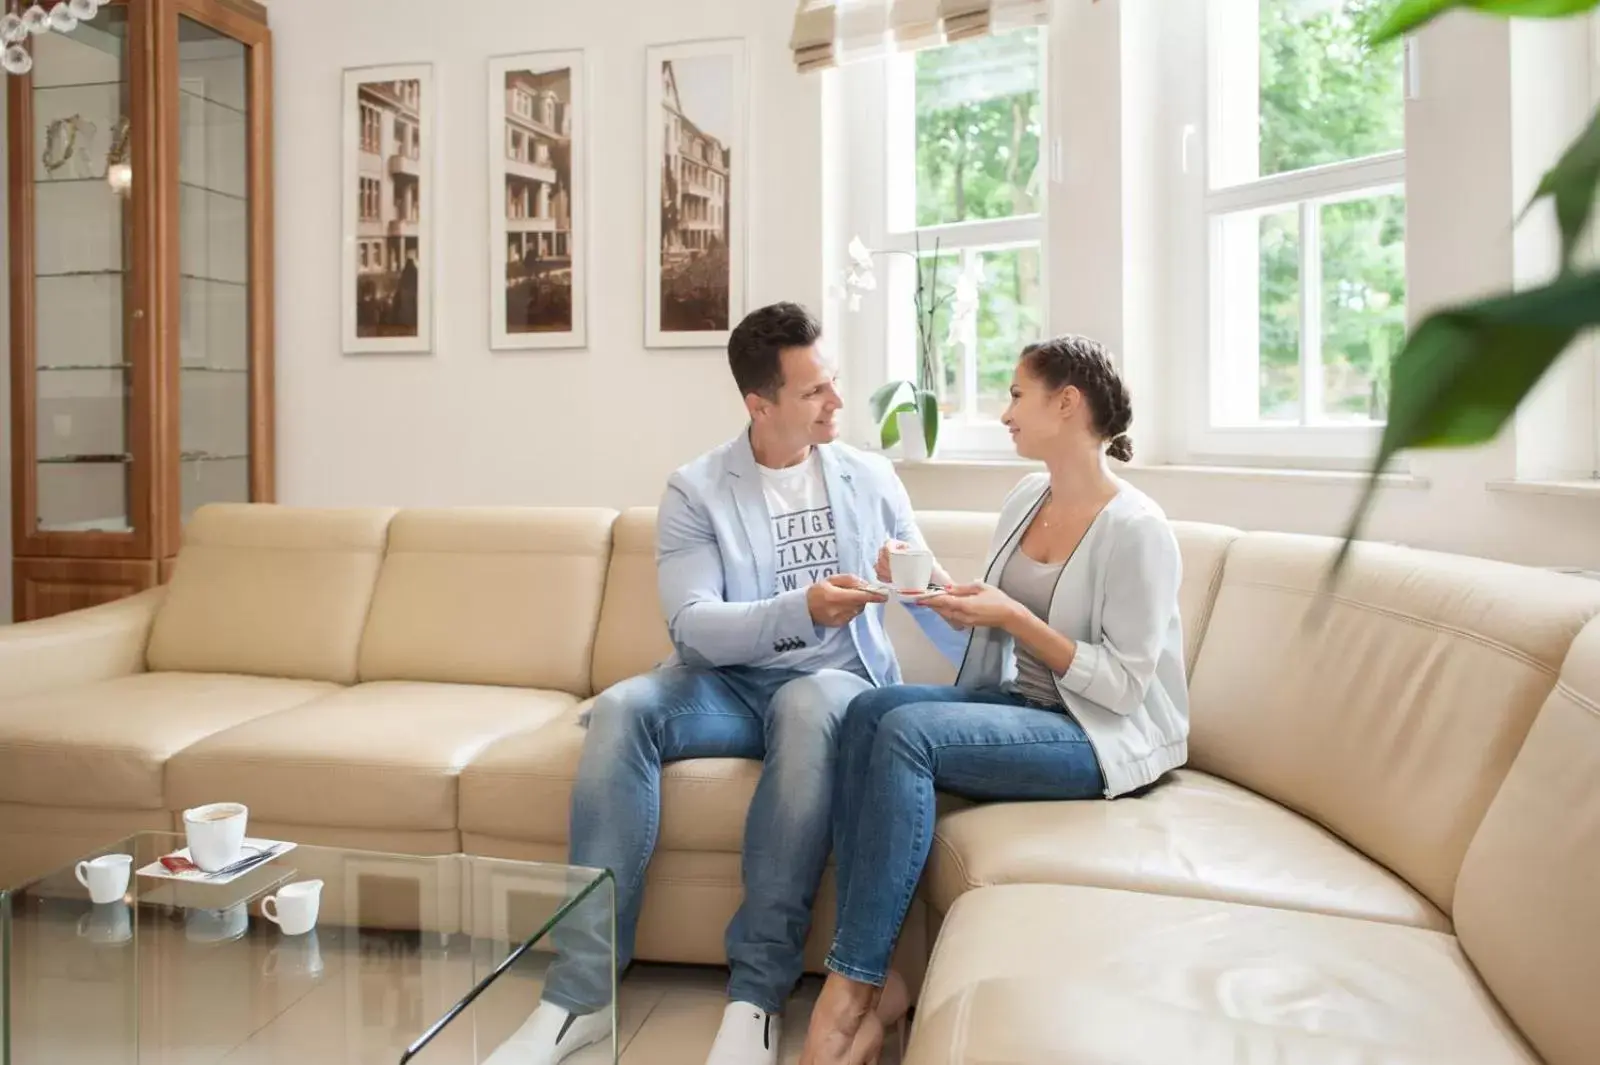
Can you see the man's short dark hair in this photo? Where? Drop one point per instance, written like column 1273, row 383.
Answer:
column 757, row 344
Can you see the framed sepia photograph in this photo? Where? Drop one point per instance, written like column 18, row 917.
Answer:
column 537, row 205
column 696, row 166
column 389, row 257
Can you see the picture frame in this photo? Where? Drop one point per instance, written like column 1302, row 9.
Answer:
column 388, row 255
column 697, row 169
column 538, row 201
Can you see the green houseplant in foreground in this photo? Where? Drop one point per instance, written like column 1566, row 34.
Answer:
column 1464, row 370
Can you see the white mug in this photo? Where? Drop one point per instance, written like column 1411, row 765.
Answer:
column 110, row 923
column 216, row 834
column 294, row 907
column 106, row 877
column 911, row 568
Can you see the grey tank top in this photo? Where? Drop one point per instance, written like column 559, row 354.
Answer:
column 1033, row 584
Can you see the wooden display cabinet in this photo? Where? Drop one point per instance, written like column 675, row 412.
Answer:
column 140, row 166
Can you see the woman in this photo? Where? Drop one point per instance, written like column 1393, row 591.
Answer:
column 1071, row 681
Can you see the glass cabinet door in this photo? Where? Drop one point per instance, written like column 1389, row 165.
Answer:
column 213, row 267
column 79, row 96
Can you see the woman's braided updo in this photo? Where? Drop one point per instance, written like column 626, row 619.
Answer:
column 1085, row 364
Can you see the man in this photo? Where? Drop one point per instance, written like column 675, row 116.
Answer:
column 762, row 547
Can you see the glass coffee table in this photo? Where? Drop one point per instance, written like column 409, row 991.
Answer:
column 431, row 960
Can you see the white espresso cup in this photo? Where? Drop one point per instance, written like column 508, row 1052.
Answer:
column 106, row 877
column 216, row 834
column 911, row 568
column 294, row 907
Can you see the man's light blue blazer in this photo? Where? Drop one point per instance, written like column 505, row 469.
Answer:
column 716, row 561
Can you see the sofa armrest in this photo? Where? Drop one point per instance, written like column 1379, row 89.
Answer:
column 79, row 647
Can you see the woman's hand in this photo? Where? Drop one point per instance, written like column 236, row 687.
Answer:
column 976, row 606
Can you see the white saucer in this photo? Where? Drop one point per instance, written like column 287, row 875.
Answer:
column 905, row 597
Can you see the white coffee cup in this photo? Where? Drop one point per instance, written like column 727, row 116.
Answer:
column 106, row 877
column 294, row 907
column 216, row 834
column 107, row 923
column 911, row 568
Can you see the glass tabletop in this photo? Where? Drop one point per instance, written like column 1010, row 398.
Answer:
column 431, row 960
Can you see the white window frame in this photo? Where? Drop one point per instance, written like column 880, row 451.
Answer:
column 882, row 99
column 1227, row 366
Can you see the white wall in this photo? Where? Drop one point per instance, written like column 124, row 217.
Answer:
column 466, row 425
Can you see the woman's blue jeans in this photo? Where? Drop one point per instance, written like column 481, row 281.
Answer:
column 896, row 746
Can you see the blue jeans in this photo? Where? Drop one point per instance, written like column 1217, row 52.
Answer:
column 788, row 720
column 897, row 745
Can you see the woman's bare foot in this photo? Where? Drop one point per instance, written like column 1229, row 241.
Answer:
column 892, row 1004
column 842, row 1008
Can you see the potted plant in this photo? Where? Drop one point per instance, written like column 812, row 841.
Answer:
column 906, row 411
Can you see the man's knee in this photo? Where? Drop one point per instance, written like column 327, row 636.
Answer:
column 814, row 705
column 633, row 706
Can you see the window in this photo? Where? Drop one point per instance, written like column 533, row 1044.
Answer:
column 371, row 129
column 952, row 158
column 1305, row 217
column 370, row 198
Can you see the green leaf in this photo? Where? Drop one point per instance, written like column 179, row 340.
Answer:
column 1409, row 15
column 1572, row 183
column 889, row 428
column 928, row 404
column 884, row 399
column 1465, row 370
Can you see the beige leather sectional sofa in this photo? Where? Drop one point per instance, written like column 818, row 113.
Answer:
column 1386, row 846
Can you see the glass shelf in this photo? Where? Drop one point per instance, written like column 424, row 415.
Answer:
column 85, row 460
column 215, row 369
column 210, row 191
column 214, row 280
column 201, row 456
column 81, row 85
column 213, row 103
column 108, row 367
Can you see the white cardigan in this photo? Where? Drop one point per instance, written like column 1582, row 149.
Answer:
column 1126, row 686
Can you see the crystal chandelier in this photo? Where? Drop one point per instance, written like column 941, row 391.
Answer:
column 17, row 27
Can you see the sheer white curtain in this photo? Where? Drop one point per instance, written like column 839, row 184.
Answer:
column 830, row 33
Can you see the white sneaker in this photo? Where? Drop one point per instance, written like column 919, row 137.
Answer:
column 749, row 1036
column 550, row 1035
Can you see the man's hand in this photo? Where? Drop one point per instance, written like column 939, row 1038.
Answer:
column 837, row 601
column 976, row 606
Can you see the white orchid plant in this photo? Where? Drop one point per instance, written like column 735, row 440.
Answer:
column 921, row 395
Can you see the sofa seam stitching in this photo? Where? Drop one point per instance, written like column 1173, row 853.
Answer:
column 1425, row 623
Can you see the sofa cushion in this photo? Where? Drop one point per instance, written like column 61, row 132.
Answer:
column 106, row 744
column 520, row 789
column 1392, row 716
column 383, row 755
column 270, row 591
column 505, row 596
column 1528, row 901
column 1191, row 835
column 1076, row 975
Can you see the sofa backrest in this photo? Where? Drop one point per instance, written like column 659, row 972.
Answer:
column 507, row 596
column 1393, row 714
column 632, row 635
column 1528, row 901
column 270, row 590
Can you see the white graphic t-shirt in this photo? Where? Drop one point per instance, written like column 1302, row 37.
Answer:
column 807, row 552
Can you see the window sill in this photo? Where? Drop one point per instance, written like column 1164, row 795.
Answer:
column 1573, row 489
column 1241, row 474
